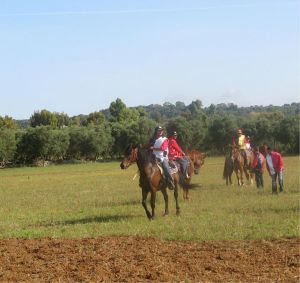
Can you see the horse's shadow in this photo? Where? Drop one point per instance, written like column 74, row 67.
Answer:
column 87, row 220
column 123, row 203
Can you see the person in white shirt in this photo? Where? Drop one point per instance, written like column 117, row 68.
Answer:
column 160, row 150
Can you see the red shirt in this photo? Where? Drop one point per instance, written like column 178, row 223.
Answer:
column 277, row 161
column 255, row 161
column 174, row 149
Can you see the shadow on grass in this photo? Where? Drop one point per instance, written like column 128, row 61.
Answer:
column 87, row 220
column 263, row 210
column 118, row 203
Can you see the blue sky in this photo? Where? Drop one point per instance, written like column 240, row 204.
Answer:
column 78, row 56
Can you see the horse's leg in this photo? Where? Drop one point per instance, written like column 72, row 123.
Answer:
column 241, row 177
column 187, row 194
column 144, row 202
column 153, row 198
column 176, row 199
column 251, row 179
column 166, row 198
column 237, row 176
column 184, row 194
column 186, row 190
column 246, row 174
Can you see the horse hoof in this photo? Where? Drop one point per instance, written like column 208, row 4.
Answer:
column 177, row 212
column 166, row 213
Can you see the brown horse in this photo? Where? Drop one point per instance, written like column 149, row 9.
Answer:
column 151, row 178
column 250, row 158
column 228, row 168
column 239, row 165
column 242, row 165
column 196, row 161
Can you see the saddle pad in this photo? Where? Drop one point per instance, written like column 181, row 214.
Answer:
column 173, row 167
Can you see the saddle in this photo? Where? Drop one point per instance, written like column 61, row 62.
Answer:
column 173, row 166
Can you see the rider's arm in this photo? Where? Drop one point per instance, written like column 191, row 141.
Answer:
column 177, row 147
column 163, row 147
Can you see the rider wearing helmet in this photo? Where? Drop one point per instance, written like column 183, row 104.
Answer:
column 151, row 142
column 160, row 150
column 177, row 154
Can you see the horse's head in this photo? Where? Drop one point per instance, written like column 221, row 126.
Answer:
column 130, row 156
column 235, row 153
column 197, row 158
column 199, row 162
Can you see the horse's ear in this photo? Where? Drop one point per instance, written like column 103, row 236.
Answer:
column 136, row 145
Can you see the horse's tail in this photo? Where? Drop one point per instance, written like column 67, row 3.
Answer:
column 184, row 184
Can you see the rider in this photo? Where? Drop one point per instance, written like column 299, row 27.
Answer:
column 248, row 143
column 160, row 150
column 242, row 144
column 177, row 154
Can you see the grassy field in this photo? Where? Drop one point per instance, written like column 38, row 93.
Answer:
column 97, row 199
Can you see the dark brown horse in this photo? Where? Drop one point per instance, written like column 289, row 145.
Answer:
column 151, row 178
column 228, row 168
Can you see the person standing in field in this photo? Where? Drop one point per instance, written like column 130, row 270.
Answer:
column 177, row 154
column 275, row 168
column 257, row 166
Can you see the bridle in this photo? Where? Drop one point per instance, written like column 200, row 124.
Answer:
column 130, row 158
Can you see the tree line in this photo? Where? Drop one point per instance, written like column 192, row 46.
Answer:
column 104, row 134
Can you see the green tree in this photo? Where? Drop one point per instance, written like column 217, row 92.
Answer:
column 96, row 118
column 121, row 114
column 120, row 138
column 43, row 118
column 288, row 134
column 7, row 145
column 34, row 144
column 63, row 120
column 221, row 130
column 8, row 123
column 90, row 142
column 59, row 141
column 139, row 132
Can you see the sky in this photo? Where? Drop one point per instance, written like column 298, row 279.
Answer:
column 77, row 56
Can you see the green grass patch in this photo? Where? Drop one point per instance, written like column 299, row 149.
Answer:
column 100, row 199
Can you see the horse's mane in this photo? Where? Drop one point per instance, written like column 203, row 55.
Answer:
column 145, row 155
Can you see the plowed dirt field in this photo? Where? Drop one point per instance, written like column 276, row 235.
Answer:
column 135, row 259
